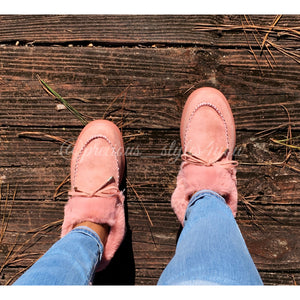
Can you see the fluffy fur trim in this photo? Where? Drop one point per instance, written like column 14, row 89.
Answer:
column 193, row 178
column 101, row 210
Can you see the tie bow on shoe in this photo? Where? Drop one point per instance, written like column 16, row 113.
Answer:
column 193, row 159
column 105, row 190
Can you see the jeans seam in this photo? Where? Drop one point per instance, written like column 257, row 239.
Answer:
column 87, row 231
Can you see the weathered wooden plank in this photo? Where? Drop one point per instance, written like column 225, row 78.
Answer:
column 150, row 277
column 164, row 77
column 23, row 93
column 30, row 214
column 270, row 230
column 136, row 29
column 153, row 159
column 270, row 234
column 273, row 248
column 282, row 278
column 37, row 167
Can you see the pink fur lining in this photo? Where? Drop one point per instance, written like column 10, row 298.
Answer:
column 193, row 178
column 101, row 210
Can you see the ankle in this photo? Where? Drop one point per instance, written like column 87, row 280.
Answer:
column 102, row 230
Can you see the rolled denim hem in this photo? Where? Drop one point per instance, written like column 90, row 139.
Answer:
column 90, row 232
column 201, row 193
column 199, row 196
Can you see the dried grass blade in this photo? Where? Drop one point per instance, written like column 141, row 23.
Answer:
column 13, row 247
column 19, row 255
column 288, row 53
column 256, row 39
column 257, row 32
column 262, row 164
column 20, row 251
column 53, row 93
column 293, row 168
column 8, row 216
column 114, row 100
column 289, row 139
column 17, row 274
column 271, row 54
column 133, row 135
column 78, row 99
column 56, row 192
column 269, row 131
column 46, row 226
column 3, row 217
column 292, row 31
column 284, row 144
column 42, row 135
column 141, row 201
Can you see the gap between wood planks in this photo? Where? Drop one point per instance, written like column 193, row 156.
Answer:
column 71, row 44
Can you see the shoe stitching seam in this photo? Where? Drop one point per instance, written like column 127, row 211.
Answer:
column 218, row 112
column 85, row 145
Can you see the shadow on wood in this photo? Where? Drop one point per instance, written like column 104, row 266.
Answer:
column 121, row 270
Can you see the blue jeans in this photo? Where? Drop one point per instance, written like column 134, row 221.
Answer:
column 70, row 261
column 210, row 250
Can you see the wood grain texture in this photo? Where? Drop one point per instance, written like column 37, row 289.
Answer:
column 272, row 247
column 147, row 66
column 164, row 77
column 47, row 163
column 270, row 231
column 136, row 29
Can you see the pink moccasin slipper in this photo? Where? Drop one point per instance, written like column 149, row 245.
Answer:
column 207, row 134
column 97, row 168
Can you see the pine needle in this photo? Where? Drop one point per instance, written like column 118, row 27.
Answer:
column 277, row 18
column 292, row 32
column 141, row 201
column 289, row 53
column 256, row 39
column 251, row 50
column 18, row 254
column 106, row 113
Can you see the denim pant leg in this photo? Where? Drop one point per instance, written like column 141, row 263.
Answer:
column 210, row 249
column 70, row 261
